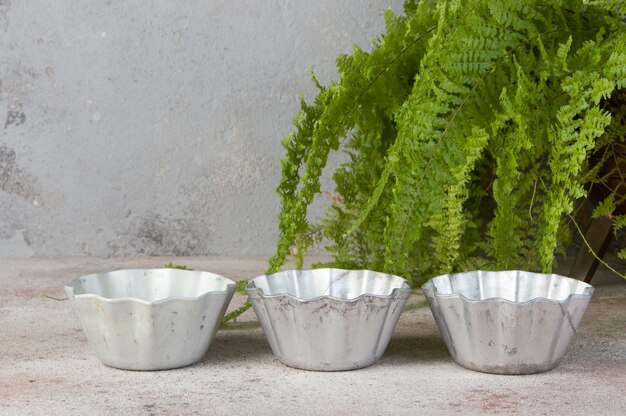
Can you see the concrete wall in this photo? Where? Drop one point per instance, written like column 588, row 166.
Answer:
column 153, row 127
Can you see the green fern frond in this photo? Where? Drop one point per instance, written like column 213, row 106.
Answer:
column 470, row 128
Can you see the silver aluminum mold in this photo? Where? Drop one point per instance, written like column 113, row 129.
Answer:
column 150, row 319
column 328, row 319
column 509, row 322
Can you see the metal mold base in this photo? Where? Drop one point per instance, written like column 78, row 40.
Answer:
column 510, row 322
column 154, row 319
column 328, row 319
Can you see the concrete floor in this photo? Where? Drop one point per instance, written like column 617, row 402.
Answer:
column 47, row 368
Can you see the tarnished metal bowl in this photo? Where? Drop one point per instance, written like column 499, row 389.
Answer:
column 150, row 319
column 328, row 319
column 510, row 322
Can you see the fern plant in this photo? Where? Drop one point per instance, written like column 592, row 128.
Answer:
column 469, row 128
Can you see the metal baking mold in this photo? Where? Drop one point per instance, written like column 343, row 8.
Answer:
column 150, row 319
column 328, row 319
column 508, row 322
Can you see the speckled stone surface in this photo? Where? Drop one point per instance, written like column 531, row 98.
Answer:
column 47, row 368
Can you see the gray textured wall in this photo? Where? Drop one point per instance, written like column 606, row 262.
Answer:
column 153, row 127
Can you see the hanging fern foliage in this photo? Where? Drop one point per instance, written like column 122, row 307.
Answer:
column 470, row 127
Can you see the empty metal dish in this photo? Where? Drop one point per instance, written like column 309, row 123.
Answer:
column 510, row 322
column 328, row 319
column 150, row 319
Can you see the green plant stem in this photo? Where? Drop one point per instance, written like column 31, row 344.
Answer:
column 593, row 253
column 237, row 312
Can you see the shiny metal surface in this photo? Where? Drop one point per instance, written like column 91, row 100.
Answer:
column 150, row 319
column 328, row 319
column 510, row 322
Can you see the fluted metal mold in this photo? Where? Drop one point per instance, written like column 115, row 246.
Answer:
column 509, row 322
column 150, row 319
column 328, row 319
